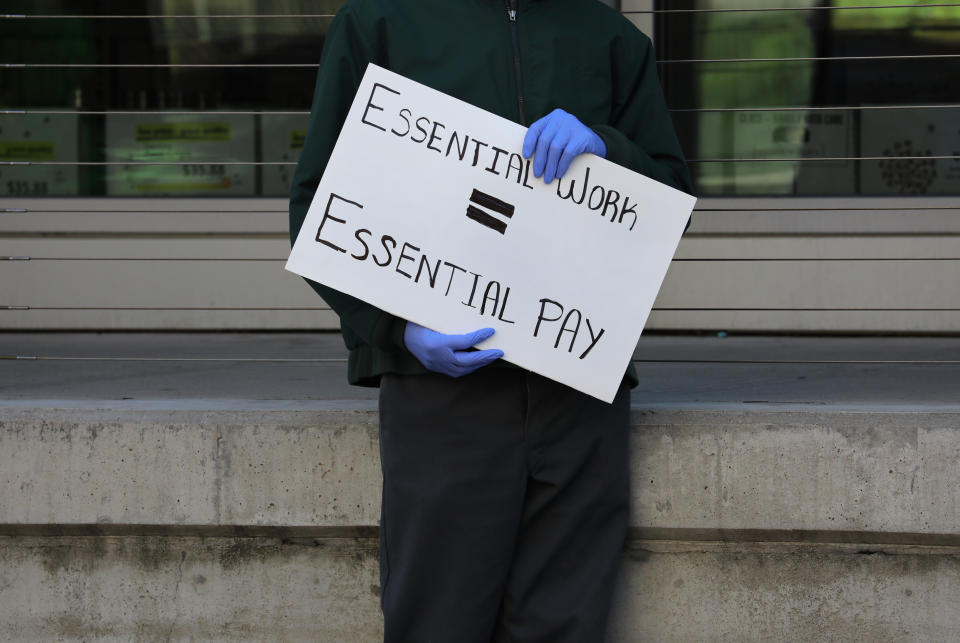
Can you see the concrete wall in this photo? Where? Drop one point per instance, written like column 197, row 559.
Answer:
column 143, row 522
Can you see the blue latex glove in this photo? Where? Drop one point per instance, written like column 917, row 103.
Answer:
column 557, row 139
column 447, row 354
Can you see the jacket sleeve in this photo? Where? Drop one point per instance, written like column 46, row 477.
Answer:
column 350, row 44
column 640, row 134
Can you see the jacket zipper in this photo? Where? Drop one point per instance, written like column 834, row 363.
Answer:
column 512, row 14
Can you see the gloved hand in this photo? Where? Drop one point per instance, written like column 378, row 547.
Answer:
column 447, row 354
column 558, row 138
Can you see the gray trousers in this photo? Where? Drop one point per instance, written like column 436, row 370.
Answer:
column 505, row 505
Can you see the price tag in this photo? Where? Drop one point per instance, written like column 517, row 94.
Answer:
column 35, row 139
column 281, row 139
column 191, row 153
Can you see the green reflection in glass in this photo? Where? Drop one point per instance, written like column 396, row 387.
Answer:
column 740, row 35
column 931, row 22
column 201, row 146
column 43, row 139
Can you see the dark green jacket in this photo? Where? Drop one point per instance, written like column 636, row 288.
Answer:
column 578, row 55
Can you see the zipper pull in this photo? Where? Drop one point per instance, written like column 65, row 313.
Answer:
column 513, row 14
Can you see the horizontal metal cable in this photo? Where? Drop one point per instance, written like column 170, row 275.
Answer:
column 152, row 65
column 343, row 360
column 809, row 109
column 154, row 308
column 811, row 59
column 155, row 211
column 767, row 9
column 808, row 310
column 693, row 110
column 26, row 258
column 812, row 259
column 314, row 65
column 165, row 112
column 663, row 309
column 152, row 210
column 825, row 158
column 239, row 16
column 283, row 259
column 738, row 210
column 330, row 15
column 715, row 160
column 174, row 359
column 909, row 208
column 194, row 162
column 799, row 361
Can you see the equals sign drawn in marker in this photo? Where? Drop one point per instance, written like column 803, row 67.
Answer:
column 490, row 203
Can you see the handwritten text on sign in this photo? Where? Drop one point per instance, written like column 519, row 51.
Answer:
column 427, row 210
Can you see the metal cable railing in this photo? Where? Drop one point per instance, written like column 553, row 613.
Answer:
column 314, row 65
column 655, row 308
column 740, row 62
column 343, row 360
column 709, row 10
column 740, row 209
column 301, row 16
column 793, row 159
column 678, row 260
column 678, row 110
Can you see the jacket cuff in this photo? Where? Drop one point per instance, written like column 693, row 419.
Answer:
column 619, row 148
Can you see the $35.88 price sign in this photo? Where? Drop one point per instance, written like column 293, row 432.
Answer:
column 204, row 170
column 27, row 188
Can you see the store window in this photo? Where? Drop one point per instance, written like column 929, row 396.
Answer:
column 210, row 97
column 830, row 81
column 156, row 97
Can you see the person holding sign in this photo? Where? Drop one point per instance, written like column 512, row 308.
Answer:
column 505, row 494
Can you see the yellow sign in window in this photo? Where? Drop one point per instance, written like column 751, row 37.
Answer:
column 27, row 151
column 185, row 132
column 297, row 137
column 921, row 18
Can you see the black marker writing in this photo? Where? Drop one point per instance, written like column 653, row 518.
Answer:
column 383, row 242
column 370, row 105
column 453, row 270
column 571, row 324
column 366, row 248
column 515, row 162
column 329, row 217
column 434, row 137
column 473, row 291
column 594, row 339
column 405, row 114
column 404, row 255
column 476, row 151
column 461, row 151
column 423, row 130
column 492, row 168
column 573, row 184
column 431, row 274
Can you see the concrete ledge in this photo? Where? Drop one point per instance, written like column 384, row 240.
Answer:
column 812, row 469
column 132, row 467
column 230, row 589
column 688, row 592
column 179, row 487
column 715, row 470
column 188, row 589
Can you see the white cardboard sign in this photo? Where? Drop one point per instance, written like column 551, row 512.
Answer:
column 428, row 210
